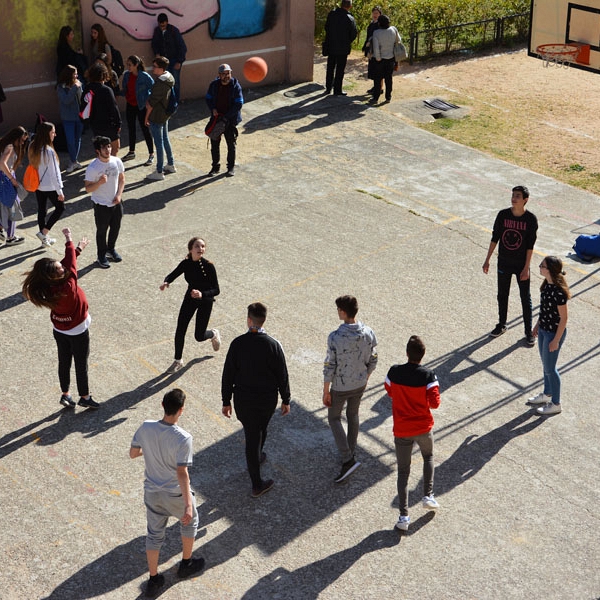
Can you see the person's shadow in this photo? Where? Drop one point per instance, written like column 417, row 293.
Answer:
column 313, row 578
column 474, row 453
column 89, row 422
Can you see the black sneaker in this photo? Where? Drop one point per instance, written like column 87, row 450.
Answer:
column 114, row 255
column 264, row 487
column 347, row 469
column 67, row 401
column 530, row 340
column 214, row 171
column 230, row 172
column 88, row 403
column 103, row 263
column 194, row 565
column 498, row 331
column 154, row 585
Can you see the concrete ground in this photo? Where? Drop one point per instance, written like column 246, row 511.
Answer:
column 330, row 197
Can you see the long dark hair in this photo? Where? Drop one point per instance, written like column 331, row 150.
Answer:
column 41, row 139
column 137, row 61
column 555, row 268
column 101, row 40
column 15, row 138
column 62, row 36
column 41, row 286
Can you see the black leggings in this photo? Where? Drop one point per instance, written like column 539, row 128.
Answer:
column 189, row 306
column 73, row 347
column 132, row 113
column 59, row 207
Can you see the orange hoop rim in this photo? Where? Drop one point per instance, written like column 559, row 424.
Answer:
column 558, row 52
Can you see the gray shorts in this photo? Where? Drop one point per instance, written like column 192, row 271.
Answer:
column 160, row 506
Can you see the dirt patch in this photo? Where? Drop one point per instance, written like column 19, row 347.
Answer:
column 537, row 117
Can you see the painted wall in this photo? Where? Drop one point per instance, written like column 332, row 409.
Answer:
column 215, row 31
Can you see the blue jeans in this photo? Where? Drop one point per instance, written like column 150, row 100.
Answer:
column 73, row 131
column 549, row 359
column 160, row 135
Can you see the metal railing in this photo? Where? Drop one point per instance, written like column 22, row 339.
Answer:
column 503, row 31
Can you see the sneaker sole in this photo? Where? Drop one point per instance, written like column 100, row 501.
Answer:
column 348, row 472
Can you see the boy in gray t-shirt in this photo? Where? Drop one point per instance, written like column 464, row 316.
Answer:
column 167, row 452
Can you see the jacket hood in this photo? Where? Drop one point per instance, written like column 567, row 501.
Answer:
column 167, row 78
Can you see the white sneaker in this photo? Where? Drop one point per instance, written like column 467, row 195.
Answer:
column 77, row 165
column 70, row 168
column 430, row 502
column 216, row 340
column 549, row 409
column 176, row 366
column 170, row 169
column 46, row 240
column 541, row 398
column 403, row 523
column 156, row 176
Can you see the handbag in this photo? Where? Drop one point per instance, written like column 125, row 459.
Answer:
column 8, row 192
column 215, row 127
column 399, row 51
column 16, row 212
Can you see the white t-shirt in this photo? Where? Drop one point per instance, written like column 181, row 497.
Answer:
column 106, row 193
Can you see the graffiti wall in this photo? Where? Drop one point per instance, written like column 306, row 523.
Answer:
column 215, row 31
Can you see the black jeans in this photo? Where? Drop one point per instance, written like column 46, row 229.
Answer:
column 73, row 347
column 231, row 134
column 255, row 421
column 108, row 219
column 59, row 207
column 133, row 113
column 504, row 279
column 336, row 65
column 189, row 306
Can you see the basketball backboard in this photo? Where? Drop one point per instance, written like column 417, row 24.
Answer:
column 565, row 22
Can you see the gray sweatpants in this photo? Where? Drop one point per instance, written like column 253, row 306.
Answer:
column 161, row 505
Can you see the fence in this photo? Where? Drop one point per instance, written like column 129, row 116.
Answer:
column 503, row 31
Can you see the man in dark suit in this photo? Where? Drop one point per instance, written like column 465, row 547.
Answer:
column 340, row 32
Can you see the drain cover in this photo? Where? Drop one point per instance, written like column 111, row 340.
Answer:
column 439, row 104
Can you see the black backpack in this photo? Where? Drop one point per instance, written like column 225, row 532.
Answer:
column 172, row 103
column 117, row 61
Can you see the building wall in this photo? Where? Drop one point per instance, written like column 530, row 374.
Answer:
column 215, row 31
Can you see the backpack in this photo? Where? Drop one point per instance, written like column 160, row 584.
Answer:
column 172, row 103
column 117, row 61
column 31, row 179
column 587, row 247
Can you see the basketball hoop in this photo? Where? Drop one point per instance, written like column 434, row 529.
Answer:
column 561, row 55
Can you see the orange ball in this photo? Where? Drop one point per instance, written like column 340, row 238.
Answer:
column 255, row 69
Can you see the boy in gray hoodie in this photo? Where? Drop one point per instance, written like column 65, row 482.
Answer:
column 351, row 358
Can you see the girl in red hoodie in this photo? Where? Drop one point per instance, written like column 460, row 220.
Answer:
column 53, row 284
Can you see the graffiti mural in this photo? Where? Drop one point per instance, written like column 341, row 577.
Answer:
column 228, row 19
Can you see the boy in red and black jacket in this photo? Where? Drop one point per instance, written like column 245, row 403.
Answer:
column 414, row 391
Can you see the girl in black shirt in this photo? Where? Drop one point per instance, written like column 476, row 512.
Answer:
column 203, row 286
